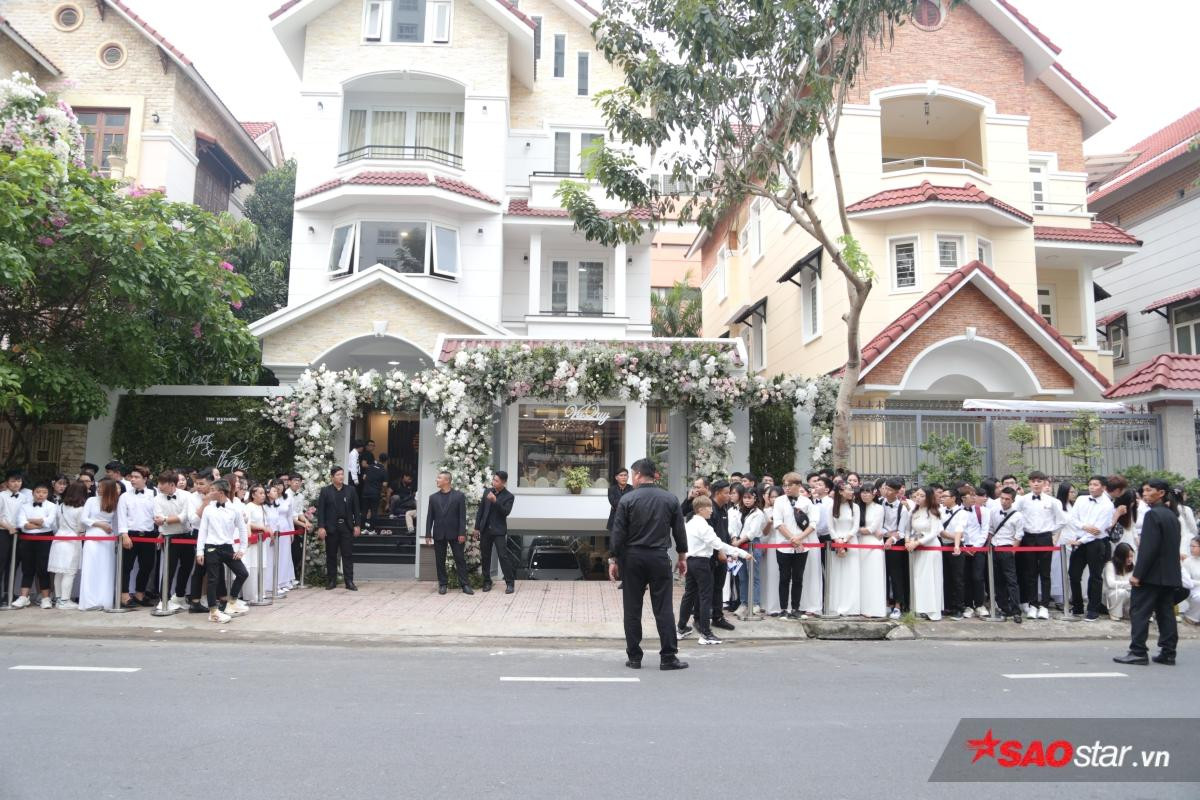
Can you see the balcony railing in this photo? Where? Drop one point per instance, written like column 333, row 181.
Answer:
column 545, row 312
column 551, row 173
column 1043, row 207
column 398, row 152
column 930, row 162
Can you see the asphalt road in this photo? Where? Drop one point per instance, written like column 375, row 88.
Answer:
column 815, row 719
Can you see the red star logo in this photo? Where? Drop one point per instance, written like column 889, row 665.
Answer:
column 983, row 747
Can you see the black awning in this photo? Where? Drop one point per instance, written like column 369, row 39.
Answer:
column 811, row 260
column 1098, row 293
column 745, row 312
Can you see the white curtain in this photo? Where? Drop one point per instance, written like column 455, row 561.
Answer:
column 387, row 128
column 458, row 133
column 356, row 137
column 433, row 129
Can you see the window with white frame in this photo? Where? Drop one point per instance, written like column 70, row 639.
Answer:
column 1046, row 305
column 562, row 151
column 571, row 150
column 587, row 141
column 1037, row 178
column 743, row 240
column 577, row 286
column 407, row 21
column 401, row 133
column 560, row 55
column 755, row 335
column 983, row 251
column 583, row 60
column 413, row 247
column 949, row 249
column 756, row 230
column 721, row 279
column 1185, row 320
column 904, row 263
column 1117, row 336
column 810, row 293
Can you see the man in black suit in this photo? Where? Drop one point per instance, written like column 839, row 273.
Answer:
column 491, row 528
column 337, row 525
column 446, row 524
column 1156, row 577
column 374, row 476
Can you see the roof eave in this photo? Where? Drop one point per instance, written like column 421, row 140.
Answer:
column 28, row 48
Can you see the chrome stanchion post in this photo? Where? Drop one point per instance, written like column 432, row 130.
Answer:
column 746, row 614
column 1063, row 559
column 12, row 576
column 275, row 545
column 912, row 583
column 117, row 587
column 826, row 557
column 995, row 617
column 163, row 609
column 261, row 570
column 303, row 555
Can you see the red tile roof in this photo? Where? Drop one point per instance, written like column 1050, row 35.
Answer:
column 13, row 31
column 519, row 207
column 1108, row 319
column 512, row 8
column 257, row 129
column 910, row 318
column 928, row 193
column 1169, row 372
column 1099, row 233
column 1075, row 82
column 400, row 179
column 283, row 8
column 1190, row 294
column 158, row 37
column 1173, row 137
column 1010, row 8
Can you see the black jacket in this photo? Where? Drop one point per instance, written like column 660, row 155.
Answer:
column 648, row 517
column 333, row 505
column 492, row 518
column 447, row 517
column 373, row 479
column 615, row 493
column 1158, row 556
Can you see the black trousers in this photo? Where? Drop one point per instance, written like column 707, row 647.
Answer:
column 643, row 568
column 1090, row 555
column 1008, row 595
column 298, row 553
column 35, row 563
column 6, row 554
column 460, row 561
column 720, row 573
column 1153, row 600
column 339, row 540
column 896, row 564
column 198, row 573
column 976, row 588
column 697, row 595
column 508, row 562
column 145, row 554
column 791, row 577
column 370, row 507
column 1033, row 570
column 216, row 557
column 181, row 560
column 953, row 570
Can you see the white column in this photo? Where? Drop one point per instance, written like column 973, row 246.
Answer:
column 535, row 272
column 619, row 258
column 1087, row 296
column 739, row 453
column 635, row 432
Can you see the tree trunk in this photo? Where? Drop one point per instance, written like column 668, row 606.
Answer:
column 840, row 455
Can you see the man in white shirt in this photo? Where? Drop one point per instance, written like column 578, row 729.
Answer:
column 1007, row 528
column 353, row 462
column 975, row 534
column 1088, row 524
column 954, row 564
column 171, row 517
column 1044, row 517
column 895, row 523
column 220, row 542
column 135, row 518
column 790, row 510
column 703, row 542
column 299, row 515
column 11, row 499
column 38, row 517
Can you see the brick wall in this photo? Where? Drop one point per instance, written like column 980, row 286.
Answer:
column 1155, row 197
column 968, row 53
column 970, row 305
column 194, row 112
column 14, row 59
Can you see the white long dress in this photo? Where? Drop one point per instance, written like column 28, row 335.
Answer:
column 1190, row 608
column 279, row 519
column 927, row 564
column 65, row 555
column 255, row 515
column 1187, row 530
column 844, row 595
column 872, row 565
column 812, row 594
column 1116, row 591
column 98, row 562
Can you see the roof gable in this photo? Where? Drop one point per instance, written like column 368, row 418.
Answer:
column 1169, row 372
column 1159, row 148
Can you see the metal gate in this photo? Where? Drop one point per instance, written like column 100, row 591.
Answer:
column 887, row 442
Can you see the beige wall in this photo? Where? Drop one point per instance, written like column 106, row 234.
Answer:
column 14, row 59
column 1068, row 317
column 193, row 112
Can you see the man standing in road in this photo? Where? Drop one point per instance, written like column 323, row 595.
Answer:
column 446, row 524
column 646, row 522
column 491, row 528
column 337, row 525
column 1156, row 577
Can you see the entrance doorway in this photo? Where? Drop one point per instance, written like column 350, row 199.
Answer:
column 397, row 434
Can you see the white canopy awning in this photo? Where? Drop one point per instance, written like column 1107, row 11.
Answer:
column 1040, row 405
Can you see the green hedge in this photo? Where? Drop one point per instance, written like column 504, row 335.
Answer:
column 225, row 432
column 772, row 441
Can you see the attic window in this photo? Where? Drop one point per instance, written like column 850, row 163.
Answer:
column 68, row 17
column 928, row 15
column 112, row 55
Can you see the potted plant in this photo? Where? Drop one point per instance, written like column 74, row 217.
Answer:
column 578, row 479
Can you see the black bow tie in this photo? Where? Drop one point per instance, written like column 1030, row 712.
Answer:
column 1092, row 499
column 16, row 494
column 139, row 491
column 170, row 496
column 1037, row 497
column 220, row 504
column 37, row 505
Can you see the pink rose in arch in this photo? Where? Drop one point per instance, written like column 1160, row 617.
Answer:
column 45, row 241
column 225, row 265
column 236, row 305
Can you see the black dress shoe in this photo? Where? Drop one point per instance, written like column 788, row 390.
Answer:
column 196, row 608
column 467, row 589
column 351, row 587
column 330, row 585
column 1162, row 658
column 633, row 664
column 509, row 588
column 487, row 587
column 146, row 602
column 1130, row 658
column 670, row 665
column 723, row 624
column 441, row 590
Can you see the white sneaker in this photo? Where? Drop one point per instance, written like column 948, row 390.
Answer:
column 1031, row 612
column 234, row 611
column 1025, row 607
column 217, row 615
column 1043, row 612
column 708, row 640
column 66, row 604
column 935, row 617
column 21, row 602
column 982, row 612
column 240, row 605
column 968, row 612
column 47, row 603
column 176, row 603
column 758, row 609
column 894, row 614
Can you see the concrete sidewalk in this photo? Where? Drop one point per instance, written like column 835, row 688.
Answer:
column 398, row 611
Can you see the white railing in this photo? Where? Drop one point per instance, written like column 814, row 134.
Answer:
column 1044, row 207
column 930, row 162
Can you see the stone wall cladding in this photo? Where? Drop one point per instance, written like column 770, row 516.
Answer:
column 968, row 53
column 1158, row 195
column 14, row 59
column 194, row 112
column 969, row 306
column 407, row 318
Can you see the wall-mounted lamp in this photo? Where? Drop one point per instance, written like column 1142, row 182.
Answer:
column 479, row 231
column 970, row 333
column 380, row 327
column 485, row 109
column 311, row 230
column 525, row 257
column 528, row 145
column 629, row 261
column 155, row 117
column 320, row 106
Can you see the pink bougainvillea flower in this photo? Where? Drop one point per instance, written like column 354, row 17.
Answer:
column 225, row 265
column 236, row 305
column 196, row 331
column 45, row 241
